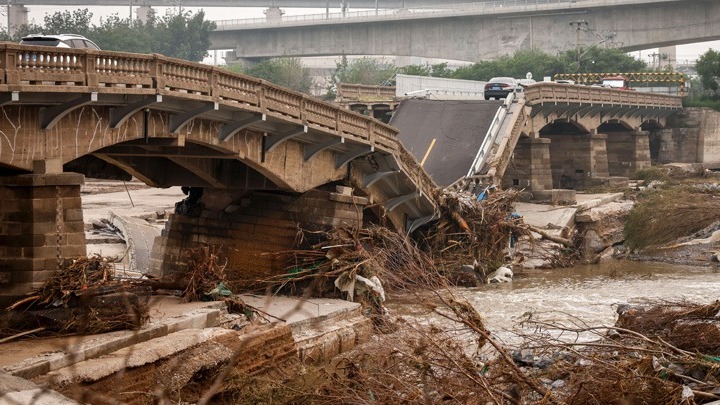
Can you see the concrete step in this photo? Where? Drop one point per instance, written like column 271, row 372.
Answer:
column 191, row 354
column 185, row 341
column 35, row 358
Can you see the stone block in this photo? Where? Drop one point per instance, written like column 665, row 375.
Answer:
column 46, row 166
column 355, row 200
column 32, row 276
column 342, row 190
column 556, row 196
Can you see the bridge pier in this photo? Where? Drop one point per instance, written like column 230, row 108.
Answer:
column 628, row 152
column 41, row 228
column 530, row 166
column 251, row 227
column 576, row 159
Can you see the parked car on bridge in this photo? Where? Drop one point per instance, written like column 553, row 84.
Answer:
column 60, row 41
column 500, row 87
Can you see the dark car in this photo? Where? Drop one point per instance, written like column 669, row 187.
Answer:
column 500, row 87
column 60, row 41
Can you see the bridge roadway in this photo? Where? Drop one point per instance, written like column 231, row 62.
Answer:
column 477, row 32
column 266, row 158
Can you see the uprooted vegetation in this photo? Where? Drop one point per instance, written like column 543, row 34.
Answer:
column 81, row 298
column 669, row 210
column 469, row 232
column 557, row 362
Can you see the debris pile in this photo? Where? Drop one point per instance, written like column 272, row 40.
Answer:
column 470, row 231
column 475, row 230
column 346, row 256
column 663, row 354
column 557, row 362
column 81, row 298
column 689, row 327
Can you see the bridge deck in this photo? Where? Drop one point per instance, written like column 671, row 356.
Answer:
column 56, row 81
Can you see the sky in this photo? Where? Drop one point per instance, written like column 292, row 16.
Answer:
column 684, row 53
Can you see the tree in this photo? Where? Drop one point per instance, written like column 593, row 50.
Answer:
column 541, row 64
column 183, row 35
column 116, row 34
column 365, row 70
column 286, row 72
column 437, row 70
column 708, row 68
column 69, row 22
column 599, row 60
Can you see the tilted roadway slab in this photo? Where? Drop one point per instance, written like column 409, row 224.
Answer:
column 451, row 131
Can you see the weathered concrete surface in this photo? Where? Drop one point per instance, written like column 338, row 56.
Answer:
column 597, row 216
column 174, row 361
column 484, row 33
column 183, row 339
column 602, row 226
column 32, row 357
column 15, row 391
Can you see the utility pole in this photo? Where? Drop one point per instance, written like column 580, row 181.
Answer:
column 655, row 55
column 579, row 26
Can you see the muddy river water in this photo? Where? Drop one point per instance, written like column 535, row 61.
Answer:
column 589, row 293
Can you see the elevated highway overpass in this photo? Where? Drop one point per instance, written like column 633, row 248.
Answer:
column 396, row 4
column 478, row 31
column 261, row 161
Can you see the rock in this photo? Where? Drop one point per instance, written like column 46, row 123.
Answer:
column 523, row 357
column 558, row 384
column 465, row 276
column 501, row 275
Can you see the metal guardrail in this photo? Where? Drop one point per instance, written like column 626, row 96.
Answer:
column 445, row 10
column 490, row 136
column 377, row 14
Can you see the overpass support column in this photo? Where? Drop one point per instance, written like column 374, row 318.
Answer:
column 577, row 159
column 273, row 14
column 17, row 17
column 145, row 13
column 628, row 152
column 530, row 166
column 252, row 229
column 41, row 229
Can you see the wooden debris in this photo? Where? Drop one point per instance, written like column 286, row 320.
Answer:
column 82, row 298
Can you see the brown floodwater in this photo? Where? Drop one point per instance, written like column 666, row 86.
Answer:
column 587, row 293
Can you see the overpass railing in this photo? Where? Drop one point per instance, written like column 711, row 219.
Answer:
column 405, row 13
column 558, row 92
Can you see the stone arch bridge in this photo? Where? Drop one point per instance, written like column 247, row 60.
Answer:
column 270, row 160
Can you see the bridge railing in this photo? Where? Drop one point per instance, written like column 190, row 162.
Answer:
column 29, row 68
column 350, row 91
column 551, row 92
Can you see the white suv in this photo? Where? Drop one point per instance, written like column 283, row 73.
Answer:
column 60, row 41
